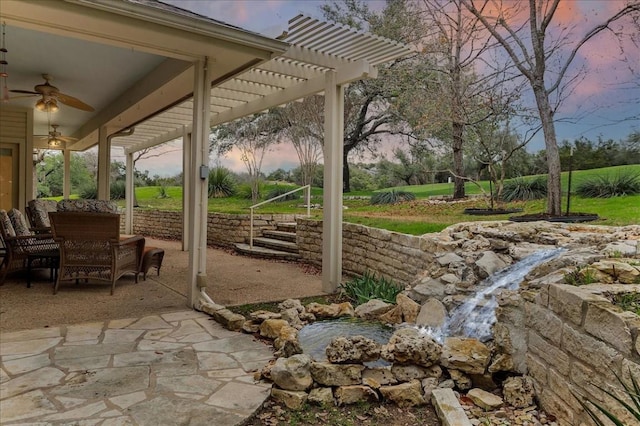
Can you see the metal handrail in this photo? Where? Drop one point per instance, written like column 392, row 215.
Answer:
column 307, row 196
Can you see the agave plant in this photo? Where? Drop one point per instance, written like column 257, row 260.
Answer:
column 632, row 391
column 392, row 197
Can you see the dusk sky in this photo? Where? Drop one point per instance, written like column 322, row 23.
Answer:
column 605, row 103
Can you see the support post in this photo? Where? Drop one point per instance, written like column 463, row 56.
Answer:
column 129, row 195
column 332, row 209
column 66, row 173
column 104, row 164
column 198, row 190
column 186, row 186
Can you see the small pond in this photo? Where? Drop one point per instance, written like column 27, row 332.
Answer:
column 315, row 337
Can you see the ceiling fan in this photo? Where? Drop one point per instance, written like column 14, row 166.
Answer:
column 51, row 95
column 55, row 139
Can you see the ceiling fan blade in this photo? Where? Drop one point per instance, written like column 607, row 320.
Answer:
column 30, row 92
column 67, row 138
column 73, row 102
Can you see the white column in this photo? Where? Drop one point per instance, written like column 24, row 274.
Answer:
column 129, row 188
column 104, row 164
column 186, row 186
column 66, row 173
column 197, row 235
column 332, row 208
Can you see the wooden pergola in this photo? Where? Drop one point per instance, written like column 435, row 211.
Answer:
column 213, row 74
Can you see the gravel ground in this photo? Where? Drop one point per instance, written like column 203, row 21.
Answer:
column 232, row 280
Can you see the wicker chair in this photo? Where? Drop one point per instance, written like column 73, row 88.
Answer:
column 91, row 248
column 19, row 243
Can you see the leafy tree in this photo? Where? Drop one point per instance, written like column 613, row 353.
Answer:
column 372, row 107
column 533, row 49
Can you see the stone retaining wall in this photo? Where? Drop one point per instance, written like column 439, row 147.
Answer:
column 400, row 257
column 574, row 338
column 222, row 229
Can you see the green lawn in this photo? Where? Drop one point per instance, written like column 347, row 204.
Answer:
column 417, row 217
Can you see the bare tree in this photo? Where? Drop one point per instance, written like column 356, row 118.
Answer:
column 253, row 136
column 302, row 124
column 532, row 48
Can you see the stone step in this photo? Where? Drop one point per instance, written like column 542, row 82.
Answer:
column 286, row 226
column 280, row 235
column 276, row 244
column 265, row 252
column 448, row 408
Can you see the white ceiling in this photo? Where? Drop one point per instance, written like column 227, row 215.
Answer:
column 92, row 72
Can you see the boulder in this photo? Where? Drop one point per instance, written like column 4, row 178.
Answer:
column 294, row 400
column 353, row 394
column 321, row 396
column 485, row 400
column 372, row 309
column 271, row 328
column 427, row 288
column 489, row 263
column 292, row 373
column 355, row 349
column 428, row 385
column 449, row 258
column 334, row 310
column 467, row 355
column 462, row 381
column 619, row 270
column 626, row 248
column 406, row 373
column 518, row 391
column 394, row 316
column 228, row 319
column 287, row 343
column 501, row 362
column 379, row 375
column 408, row 394
column 432, row 314
column 261, row 315
column 292, row 317
column 251, row 327
column 291, row 304
column 409, row 346
column 408, row 307
column 328, row 374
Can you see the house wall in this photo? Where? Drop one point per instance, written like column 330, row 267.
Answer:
column 15, row 128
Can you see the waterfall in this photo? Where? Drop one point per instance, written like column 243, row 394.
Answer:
column 476, row 316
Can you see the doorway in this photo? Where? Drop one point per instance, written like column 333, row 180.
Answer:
column 9, row 176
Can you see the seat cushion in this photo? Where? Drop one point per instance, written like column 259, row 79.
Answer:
column 40, row 212
column 95, row 206
column 19, row 222
column 5, row 222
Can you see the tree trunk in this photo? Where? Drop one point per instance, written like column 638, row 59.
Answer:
column 554, row 188
column 346, row 185
column 458, row 163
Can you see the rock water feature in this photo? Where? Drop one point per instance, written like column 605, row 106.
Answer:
column 549, row 336
column 475, row 317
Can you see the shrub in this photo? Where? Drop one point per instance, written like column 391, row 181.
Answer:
column 392, row 197
column 88, row 192
column 632, row 393
column 521, row 189
column 367, row 287
column 580, row 276
column 279, row 191
column 244, row 191
column 117, row 190
column 605, row 186
column 162, row 192
column 221, row 183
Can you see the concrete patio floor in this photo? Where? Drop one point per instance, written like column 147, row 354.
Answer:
column 139, row 357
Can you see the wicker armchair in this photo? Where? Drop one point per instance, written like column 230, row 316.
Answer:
column 19, row 243
column 91, row 248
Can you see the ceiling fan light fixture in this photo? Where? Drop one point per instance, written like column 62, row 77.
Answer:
column 55, row 143
column 47, row 105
